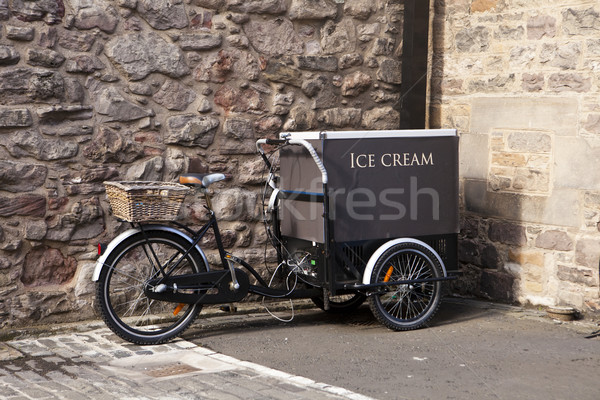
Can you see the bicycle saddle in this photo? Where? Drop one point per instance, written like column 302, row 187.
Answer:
column 202, row 180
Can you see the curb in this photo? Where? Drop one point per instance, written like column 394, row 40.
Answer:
column 207, row 313
column 256, row 307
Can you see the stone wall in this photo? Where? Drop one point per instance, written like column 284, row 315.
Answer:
column 147, row 89
column 520, row 81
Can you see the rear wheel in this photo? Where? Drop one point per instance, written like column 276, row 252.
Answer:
column 411, row 305
column 120, row 296
column 342, row 303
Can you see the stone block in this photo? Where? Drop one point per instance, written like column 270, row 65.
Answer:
column 381, row 118
column 163, row 14
column 4, row 10
column 84, row 64
column 531, row 181
column 76, row 40
column 593, row 47
column 26, row 85
column 274, row 37
column 390, row 71
column 174, row 96
column 583, row 276
column 138, row 55
column 340, row 117
column 318, row 63
column 533, row 82
column 473, row 39
column 114, row 106
column 473, row 156
column 587, row 253
column 359, row 9
column 572, row 82
column 507, row 233
column 498, row 83
column 15, row 118
column 236, row 204
column 490, row 257
column 60, row 113
column 44, row 58
column 497, row 285
column 238, row 137
column 498, row 182
column 99, row 14
column 567, row 56
column 560, row 207
column 19, row 177
column 351, row 60
column 592, row 124
column 279, row 72
column 509, row 33
column 246, row 100
column 526, row 257
column 468, row 252
column 383, row 47
column 209, row 4
column 9, row 55
column 554, row 240
column 541, row 26
column 203, row 41
column 520, row 57
column 572, row 163
column 30, row 205
column 257, row 6
column 533, row 286
column 558, row 115
column 509, row 159
column 338, row 37
column 581, row 22
column 571, row 296
column 150, row 170
column 45, row 265
column 355, row 84
column 530, row 142
column 20, row 33
column 190, row 129
column 312, row 9
column 470, row 227
column 24, row 144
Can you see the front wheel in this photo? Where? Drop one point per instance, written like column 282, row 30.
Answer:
column 120, row 296
column 410, row 305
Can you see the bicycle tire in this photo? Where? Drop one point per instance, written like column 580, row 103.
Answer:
column 120, row 295
column 408, row 306
column 341, row 304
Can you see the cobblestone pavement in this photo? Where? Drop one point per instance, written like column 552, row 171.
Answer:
column 97, row 365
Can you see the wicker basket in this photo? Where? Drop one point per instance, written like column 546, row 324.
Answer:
column 145, row 201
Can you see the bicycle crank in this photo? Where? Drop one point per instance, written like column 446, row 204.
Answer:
column 213, row 287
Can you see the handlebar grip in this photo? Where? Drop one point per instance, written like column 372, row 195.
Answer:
column 275, row 141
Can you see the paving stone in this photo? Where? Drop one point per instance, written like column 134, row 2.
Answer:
column 83, row 377
column 36, row 393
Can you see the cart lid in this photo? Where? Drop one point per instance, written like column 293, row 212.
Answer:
column 318, row 135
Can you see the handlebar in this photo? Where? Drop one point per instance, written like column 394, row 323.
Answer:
column 298, row 142
column 275, row 141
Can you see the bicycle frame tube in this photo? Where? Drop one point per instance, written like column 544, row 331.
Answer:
column 198, row 235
